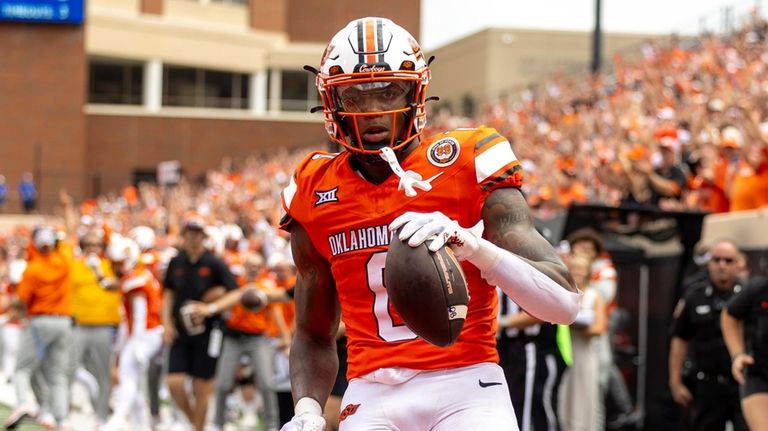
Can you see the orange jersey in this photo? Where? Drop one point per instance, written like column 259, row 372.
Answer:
column 142, row 282
column 347, row 220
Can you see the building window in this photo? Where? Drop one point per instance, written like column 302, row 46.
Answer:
column 298, row 91
column 115, row 82
column 204, row 88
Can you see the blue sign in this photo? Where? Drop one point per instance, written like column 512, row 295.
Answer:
column 56, row 11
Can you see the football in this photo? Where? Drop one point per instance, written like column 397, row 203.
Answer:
column 253, row 299
column 428, row 290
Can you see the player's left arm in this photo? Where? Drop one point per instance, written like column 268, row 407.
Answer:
column 508, row 224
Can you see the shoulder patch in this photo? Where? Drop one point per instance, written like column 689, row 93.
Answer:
column 325, row 196
column 443, row 152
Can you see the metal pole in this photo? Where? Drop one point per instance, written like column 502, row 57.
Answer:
column 642, row 341
column 597, row 40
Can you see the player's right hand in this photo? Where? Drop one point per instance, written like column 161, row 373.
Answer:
column 169, row 334
column 681, row 394
column 305, row 422
column 741, row 361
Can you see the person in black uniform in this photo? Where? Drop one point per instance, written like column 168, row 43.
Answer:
column 532, row 364
column 195, row 274
column 696, row 329
column 750, row 362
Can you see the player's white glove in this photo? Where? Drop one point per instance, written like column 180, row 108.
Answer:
column 308, row 417
column 420, row 227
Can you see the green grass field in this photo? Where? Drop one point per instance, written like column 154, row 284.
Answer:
column 26, row 425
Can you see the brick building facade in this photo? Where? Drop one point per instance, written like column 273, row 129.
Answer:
column 55, row 124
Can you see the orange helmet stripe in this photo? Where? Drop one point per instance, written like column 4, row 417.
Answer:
column 370, row 40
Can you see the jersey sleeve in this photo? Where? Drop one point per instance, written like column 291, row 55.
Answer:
column 301, row 180
column 741, row 303
column 496, row 165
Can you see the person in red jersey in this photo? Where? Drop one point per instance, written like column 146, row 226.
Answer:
column 142, row 300
column 341, row 210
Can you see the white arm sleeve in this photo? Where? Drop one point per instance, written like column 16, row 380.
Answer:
column 139, row 315
column 531, row 289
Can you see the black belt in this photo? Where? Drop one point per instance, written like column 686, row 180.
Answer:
column 724, row 379
column 236, row 333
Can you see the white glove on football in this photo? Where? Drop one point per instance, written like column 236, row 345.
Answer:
column 420, row 227
column 308, row 417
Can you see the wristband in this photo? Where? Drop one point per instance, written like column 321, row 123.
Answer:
column 308, row 405
column 736, row 355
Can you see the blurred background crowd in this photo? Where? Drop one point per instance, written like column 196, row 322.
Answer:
column 682, row 128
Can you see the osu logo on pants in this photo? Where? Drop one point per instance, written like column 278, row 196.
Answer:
column 349, row 410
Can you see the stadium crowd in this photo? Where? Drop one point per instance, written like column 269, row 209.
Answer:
column 683, row 127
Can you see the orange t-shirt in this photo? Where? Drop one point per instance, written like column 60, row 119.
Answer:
column 347, row 220
column 749, row 189
column 142, row 282
column 240, row 319
column 45, row 287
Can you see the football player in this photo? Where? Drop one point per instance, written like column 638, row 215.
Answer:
column 340, row 210
column 142, row 298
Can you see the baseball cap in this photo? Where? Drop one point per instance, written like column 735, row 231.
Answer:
column 671, row 144
column 193, row 222
column 731, row 137
column 44, row 237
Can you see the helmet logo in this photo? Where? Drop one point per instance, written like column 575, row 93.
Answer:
column 443, row 152
column 416, row 49
column 335, row 70
column 372, row 68
column 326, row 54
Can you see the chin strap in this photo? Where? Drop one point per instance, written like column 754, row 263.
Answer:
column 409, row 180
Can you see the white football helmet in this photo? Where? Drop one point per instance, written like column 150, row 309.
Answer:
column 124, row 252
column 231, row 232
column 144, row 237
column 373, row 55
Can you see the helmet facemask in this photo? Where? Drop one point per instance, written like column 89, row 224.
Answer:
column 371, row 112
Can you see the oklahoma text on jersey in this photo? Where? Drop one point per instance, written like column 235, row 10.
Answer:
column 358, row 239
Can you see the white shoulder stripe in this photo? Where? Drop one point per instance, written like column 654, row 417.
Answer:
column 135, row 282
column 288, row 193
column 493, row 159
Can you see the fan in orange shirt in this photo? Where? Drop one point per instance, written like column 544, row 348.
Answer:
column 46, row 342
column 749, row 189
